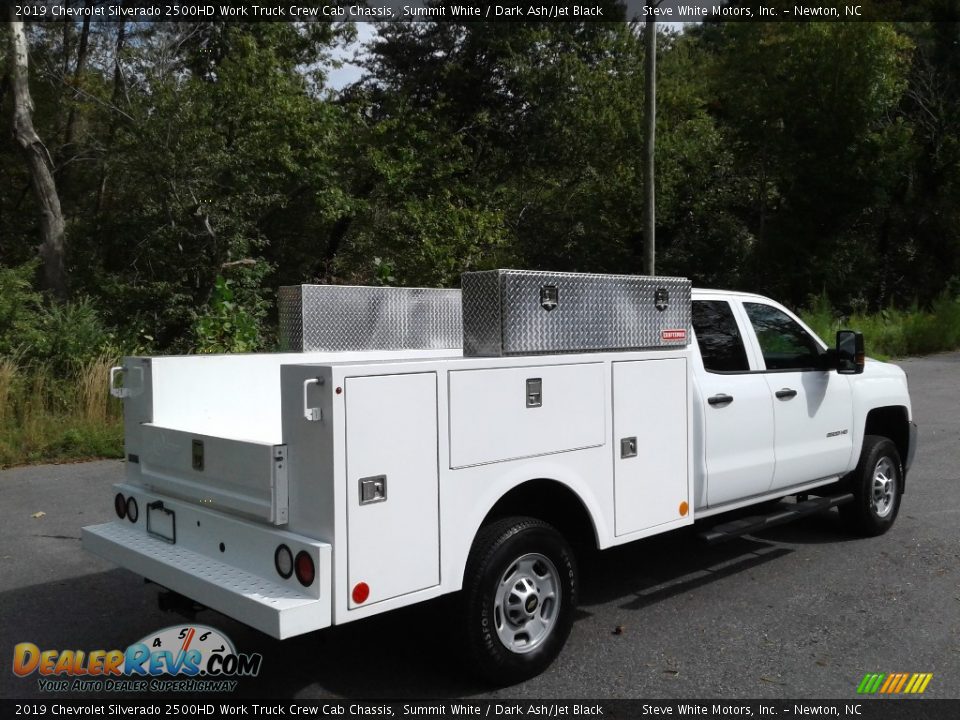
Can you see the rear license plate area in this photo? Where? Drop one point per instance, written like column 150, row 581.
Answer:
column 162, row 522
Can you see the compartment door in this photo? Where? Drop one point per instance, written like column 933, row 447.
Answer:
column 393, row 530
column 650, row 443
column 511, row 413
column 243, row 477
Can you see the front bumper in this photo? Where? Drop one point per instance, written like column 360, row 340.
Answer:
column 222, row 562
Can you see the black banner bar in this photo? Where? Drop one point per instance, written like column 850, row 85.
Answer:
column 666, row 11
column 857, row 708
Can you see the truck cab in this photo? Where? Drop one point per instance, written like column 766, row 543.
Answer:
column 775, row 416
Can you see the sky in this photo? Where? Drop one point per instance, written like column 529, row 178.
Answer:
column 339, row 78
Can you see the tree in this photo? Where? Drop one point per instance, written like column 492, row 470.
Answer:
column 919, row 240
column 52, row 237
column 70, row 133
column 528, row 134
column 224, row 155
column 809, row 109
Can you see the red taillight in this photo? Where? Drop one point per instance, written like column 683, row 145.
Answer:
column 361, row 591
column 133, row 512
column 283, row 560
column 120, row 505
column 304, row 568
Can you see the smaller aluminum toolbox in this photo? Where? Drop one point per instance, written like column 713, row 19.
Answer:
column 521, row 312
column 343, row 317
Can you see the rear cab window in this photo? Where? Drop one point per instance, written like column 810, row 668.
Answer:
column 718, row 337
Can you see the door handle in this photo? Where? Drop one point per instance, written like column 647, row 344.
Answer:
column 786, row 393
column 720, row 399
column 312, row 414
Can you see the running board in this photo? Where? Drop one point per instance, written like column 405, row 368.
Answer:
column 756, row 523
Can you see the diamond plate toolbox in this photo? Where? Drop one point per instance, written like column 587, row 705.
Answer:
column 341, row 317
column 520, row 312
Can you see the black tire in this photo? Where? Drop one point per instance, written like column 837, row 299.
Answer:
column 542, row 597
column 877, row 486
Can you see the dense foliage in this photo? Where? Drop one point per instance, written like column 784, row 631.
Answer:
column 202, row 165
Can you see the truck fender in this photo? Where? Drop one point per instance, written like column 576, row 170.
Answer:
column 461, row 525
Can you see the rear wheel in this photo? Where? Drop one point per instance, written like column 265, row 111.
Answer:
column 877, row 486
column 520, row 591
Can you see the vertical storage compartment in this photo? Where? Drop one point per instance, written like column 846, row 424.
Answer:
column 650, row 444
column 392, row 485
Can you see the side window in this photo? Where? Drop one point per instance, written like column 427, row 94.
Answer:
column 718, row 337
column 784, row 344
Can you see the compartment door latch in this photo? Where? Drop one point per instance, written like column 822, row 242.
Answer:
column 373, row 489
column 534, row 392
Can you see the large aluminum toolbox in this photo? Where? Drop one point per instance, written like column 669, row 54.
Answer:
column 342, row 317
column 521, row 312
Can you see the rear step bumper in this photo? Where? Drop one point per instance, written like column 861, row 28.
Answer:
column 749, row 525
column 248, row 588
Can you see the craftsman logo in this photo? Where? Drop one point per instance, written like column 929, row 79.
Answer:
column 549, row 297
column 180, row 658
column 894, row 683
column 673, row 334
column 661, row 299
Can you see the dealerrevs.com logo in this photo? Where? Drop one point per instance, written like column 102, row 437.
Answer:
column 181, row 658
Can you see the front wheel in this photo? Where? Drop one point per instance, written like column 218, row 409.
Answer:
column 520, row 591
column 877, row 486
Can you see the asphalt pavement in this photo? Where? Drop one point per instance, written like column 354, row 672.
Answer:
column 801, row 611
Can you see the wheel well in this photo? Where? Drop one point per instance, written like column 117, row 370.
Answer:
column 891, row 422
column 552, row 502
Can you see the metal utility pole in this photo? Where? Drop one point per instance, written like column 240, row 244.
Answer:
column 650, row 130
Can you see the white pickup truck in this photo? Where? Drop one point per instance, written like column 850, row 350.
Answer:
column 426, row 451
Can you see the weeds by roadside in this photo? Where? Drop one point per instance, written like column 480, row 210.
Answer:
column 51, row 416
column 893, row 333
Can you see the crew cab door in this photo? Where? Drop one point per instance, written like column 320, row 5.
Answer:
column 811, row 406
column 738, row 430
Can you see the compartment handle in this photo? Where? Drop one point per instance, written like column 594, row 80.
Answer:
column 311, row 414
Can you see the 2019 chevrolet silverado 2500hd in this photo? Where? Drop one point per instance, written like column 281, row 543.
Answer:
column 423, row 442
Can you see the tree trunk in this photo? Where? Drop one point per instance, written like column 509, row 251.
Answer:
column 650, row 130
column 67, row 40
column 70, row 133
column 117, row 88
column 52, row 243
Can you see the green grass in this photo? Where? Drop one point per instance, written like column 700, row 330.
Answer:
column 47, row 417
column 893, row 333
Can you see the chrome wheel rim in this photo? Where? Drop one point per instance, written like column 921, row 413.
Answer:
column 527, row 603
column 883, row 487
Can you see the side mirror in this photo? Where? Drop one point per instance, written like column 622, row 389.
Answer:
column 850, row 355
